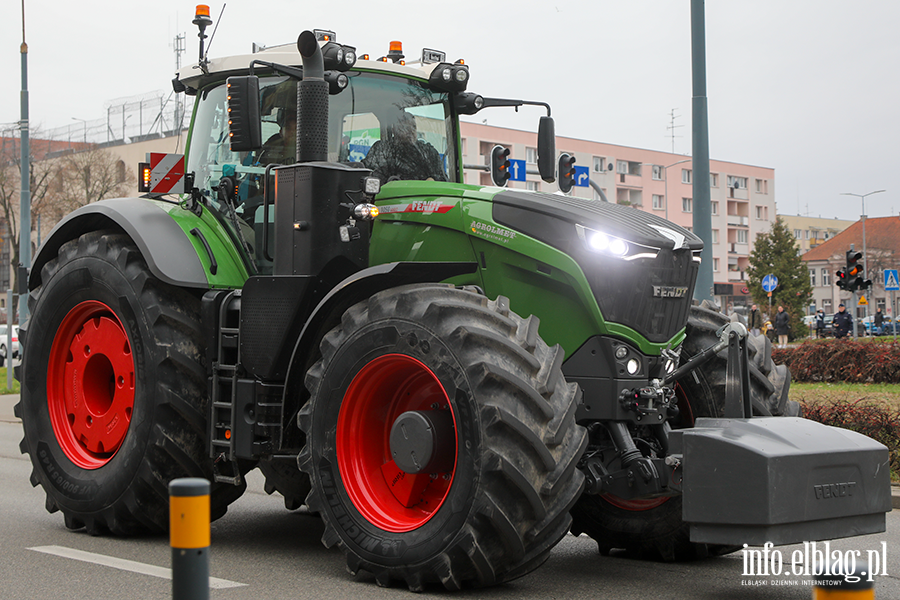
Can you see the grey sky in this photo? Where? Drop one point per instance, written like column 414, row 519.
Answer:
column 810, row 88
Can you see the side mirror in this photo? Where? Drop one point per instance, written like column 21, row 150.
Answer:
column 547, row 149
column 244, row 129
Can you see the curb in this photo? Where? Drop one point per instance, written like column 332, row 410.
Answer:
column 895, row 496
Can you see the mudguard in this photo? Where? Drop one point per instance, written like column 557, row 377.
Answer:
column 161, row 235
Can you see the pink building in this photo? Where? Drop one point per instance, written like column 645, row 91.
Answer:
column 743, row 196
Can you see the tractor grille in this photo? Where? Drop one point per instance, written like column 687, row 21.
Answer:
column 625, row 291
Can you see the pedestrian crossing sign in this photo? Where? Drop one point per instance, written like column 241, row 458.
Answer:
column 891, row 281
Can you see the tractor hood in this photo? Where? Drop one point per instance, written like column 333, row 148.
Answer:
column 641, row 268
column 529, row 212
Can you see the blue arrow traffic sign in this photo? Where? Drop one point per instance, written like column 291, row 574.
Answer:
column 516, row 170
column 582, row 177
column 891, row 281
column 769, row 283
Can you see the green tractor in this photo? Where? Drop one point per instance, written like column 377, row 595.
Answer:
column 452, row 376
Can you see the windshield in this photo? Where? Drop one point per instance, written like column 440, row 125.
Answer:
column 397, row 127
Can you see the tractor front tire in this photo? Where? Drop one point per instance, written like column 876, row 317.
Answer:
column 497, row 498
column 654, row 528
column 114, row 398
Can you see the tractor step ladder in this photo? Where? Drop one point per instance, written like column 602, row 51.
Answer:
column 224, row 373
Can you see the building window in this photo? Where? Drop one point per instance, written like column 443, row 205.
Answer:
column 762, row 213
column 658, row 202
column 534, row 186
column 741, row 236
column 622, row 167
column 531, row 155
column 737, row 182
column 797, row 234
column 715, row 264
column 686, row 175
column 826, row 276
column 463, row 143
column 687, row 205
column 715, row 236
column 812, row 277
column 597, row 195
column 826, row 305
column 714, row 206
column 599, row 166
column 713, row 180
column 762, row 186
column 657, row 172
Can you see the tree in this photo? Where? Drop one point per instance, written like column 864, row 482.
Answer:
column 775, row 253
column 64, row 176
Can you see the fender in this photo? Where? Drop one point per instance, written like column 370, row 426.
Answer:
column 351, row 290
column 161, row 238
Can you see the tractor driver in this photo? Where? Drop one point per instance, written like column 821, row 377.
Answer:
column 399, row 154
column 281, row 148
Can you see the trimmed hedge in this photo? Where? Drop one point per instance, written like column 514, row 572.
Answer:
column 842, row 360
column 879, row 423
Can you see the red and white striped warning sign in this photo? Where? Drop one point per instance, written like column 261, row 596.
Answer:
column 166, row 173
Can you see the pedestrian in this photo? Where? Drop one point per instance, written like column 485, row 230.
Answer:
column 756, row 320
column 842, row 322
column 879, row 323
column 820, row 324
column 782, row 327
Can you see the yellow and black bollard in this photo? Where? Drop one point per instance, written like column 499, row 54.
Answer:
column 836, row 587
column 189, row 538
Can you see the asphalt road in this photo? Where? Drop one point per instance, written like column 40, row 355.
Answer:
column 265, row 551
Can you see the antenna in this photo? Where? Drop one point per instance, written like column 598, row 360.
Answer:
column 672, row 127
column 215, row 29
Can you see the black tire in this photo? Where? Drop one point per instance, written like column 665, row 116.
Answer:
column 151, row 336
column 655, row 529
column 284, row 477
column 504, row 503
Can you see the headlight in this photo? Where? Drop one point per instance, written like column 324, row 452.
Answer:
column 603, row 243
column 632, row 366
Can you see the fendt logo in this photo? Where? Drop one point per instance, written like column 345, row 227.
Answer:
column 834, row 490
column 669, row 291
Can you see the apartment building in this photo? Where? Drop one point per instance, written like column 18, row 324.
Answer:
column 743, row 196
column 810, row 232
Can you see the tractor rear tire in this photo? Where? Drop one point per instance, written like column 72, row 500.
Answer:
column 114, row 394
column 284, row 477
column 500, row 500
column 654, row 528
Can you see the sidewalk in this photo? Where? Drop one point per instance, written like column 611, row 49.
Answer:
column 6, row 408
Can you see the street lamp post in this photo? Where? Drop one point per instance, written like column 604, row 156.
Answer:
column 85, row 129
column 863, row 219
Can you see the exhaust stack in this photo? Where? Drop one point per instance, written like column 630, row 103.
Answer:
column 312, row 102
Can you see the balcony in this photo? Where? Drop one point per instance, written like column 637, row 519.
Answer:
column 735, row 248
column 738, row 221
column 737, row 275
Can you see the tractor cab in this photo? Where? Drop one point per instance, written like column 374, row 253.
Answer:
column 383, row 116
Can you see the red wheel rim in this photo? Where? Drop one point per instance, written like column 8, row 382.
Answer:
column 387, row 497
column 90, row 384
column 687, row 420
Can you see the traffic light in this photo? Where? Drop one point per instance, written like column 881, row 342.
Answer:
column 500, row 165
column 566, row 172
column 842, row 279
column 854, row 272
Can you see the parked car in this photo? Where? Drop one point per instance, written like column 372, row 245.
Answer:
column 17, row 346
column 887, row 327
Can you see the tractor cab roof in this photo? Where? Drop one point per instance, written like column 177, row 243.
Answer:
column 194, row 77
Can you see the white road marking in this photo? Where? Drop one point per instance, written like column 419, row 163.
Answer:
column 126, row 565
